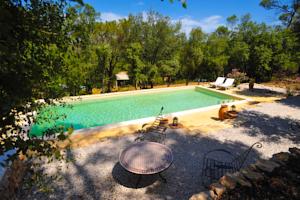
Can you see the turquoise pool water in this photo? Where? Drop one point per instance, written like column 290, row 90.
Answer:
column 99, row 112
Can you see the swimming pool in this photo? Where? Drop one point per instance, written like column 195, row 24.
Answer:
column 130, row 106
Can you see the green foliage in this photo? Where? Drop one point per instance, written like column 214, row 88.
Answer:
column 192, row 55
column 239, row 77
column 80, row 57
column 289, row 10
column 153, row 49
column 232, row 21
column 262, row 57
column 216, row 57
column 183, row 2
column 34, row 39
column 239, row 54
column 135, row 63
column 107, row 60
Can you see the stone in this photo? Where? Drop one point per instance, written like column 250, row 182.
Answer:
column 212, row 195
column 201, row 196
column 228, row 182
column 294, row 191
column 295, row 151
column 251, row 175
column 266, row 165
column 218, row 189
column 240, row 179
column 277, row 183
column 281, row 158
column 292, row 175
column 12, row 179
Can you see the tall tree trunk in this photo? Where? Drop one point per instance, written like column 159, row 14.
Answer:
column 169, row 81
column 109, row 84
column 135, row 84
column 102, row 86
column 110, row 73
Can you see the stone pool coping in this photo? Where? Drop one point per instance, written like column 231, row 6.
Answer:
column 92, row 130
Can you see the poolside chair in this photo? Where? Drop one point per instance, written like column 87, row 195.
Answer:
column 214, row 165
column 228, row 83
column 154, row 131
column 219, row 81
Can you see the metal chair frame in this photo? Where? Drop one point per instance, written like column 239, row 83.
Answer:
column 214, row 169
column 154, row 127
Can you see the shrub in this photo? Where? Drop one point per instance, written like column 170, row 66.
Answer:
column 96, row 91
column 289, row 92
column 239, row 77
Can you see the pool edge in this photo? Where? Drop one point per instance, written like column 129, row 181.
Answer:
column 141, row 121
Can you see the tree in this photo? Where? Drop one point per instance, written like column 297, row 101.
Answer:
column 160, row 40
column 289, row 10
column 110, row 44
column 33, row 37
column 239, row 55
column 192, row 54
column 183, row 2
column 135, row 63
column 289, row 14
column 262, row 56
column 215, row 54
column 232, row 21
column 169, row 69
column 80, row 56
column 286, row 58
column 107, row 61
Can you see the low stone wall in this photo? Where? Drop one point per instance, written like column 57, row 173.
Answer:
column 12, row 180
column 276, row 178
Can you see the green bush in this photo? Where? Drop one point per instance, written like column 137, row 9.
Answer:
column 239, row 77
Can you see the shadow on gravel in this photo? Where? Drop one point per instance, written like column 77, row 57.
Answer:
column 184, row 176
column 100, row 176
column 274, row 128
column 291, row 101
column 261, row 92
column 129, row 180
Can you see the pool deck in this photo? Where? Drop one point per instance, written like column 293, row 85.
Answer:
column 202, row 120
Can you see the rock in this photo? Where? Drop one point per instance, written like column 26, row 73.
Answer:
column 201, row 196
column 251, row 175
column 228, row 182
column 240, row 179
column 266, row 165
column 218, row 189
column 277, row 183
column 295, row 191
column 281, row 158
column 12, row 179
column 212, row 195
column 295, row 151
column 292, row 175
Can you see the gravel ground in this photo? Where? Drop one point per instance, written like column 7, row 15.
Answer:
column 95, row 173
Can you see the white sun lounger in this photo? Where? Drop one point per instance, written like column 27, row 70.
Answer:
column 228, row 83
column 219, row 81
